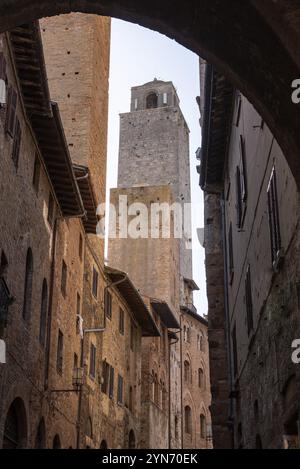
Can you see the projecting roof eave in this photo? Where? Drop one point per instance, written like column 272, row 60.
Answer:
column 196, row 316
column 166, row 314
column 88, row 197
column 134, row 300
column 217, row 118
column 191, row 284
column 54, row 150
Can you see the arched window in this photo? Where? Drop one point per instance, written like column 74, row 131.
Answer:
column 40, row 439
column 43, row 317
column 103, row 445
column 201, row 380
column 56, row 442
column 187, row 420
column 28, row 285
column 202, row 426
column 201, row 342
column 151, row 101
column 131, row 440
column 15, row 427
column 187, row 371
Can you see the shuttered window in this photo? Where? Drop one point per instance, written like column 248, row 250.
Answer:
column 121, row 321
column 95, row 283
column 105, row 377
column 60, row 348
column 248, row 298
column 92, row 361
column 108, row 304
column 274, row 224
column 16, row 143
column 12, row 99
column 64, row 272
column 230, row 254
column 241, row 185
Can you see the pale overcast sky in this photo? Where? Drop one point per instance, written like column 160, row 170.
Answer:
column 139, row 55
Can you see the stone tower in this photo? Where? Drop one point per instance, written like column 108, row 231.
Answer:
column 154, row 168
column 154, row 151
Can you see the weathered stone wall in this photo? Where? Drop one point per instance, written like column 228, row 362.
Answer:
column 196, row 395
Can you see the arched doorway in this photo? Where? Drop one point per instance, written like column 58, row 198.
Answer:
column 56, row 442
column 239, row 41
column 131, row 440
column 103, row 445
column 15, row 427
column 40, row 439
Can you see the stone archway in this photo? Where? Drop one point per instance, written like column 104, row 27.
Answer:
column 15, row 427
column 254, row 45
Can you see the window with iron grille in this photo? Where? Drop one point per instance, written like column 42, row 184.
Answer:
column 108, row 304
column 95, row 283
column 274, row 223
column 248, row 298
column 60, row 350
column 120, row 389
column 121, row 321
column 64, row 273
column 92, row 361
column 230, row 254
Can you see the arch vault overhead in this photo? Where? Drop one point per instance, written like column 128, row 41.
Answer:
column 255, row 43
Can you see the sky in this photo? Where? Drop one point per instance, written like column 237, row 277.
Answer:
column 138, row 55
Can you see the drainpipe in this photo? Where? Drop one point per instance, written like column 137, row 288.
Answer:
column 227, row 317
column 88, row 331
column 169, row 365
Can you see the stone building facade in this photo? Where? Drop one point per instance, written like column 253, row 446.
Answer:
column 154, row 173
column 251, row 242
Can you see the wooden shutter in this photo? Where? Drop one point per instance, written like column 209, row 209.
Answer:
column 120, row 389
column 105, row 375
column 12, row 101
column 17, row 143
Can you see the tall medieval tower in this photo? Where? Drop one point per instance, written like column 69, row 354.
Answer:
column 154, row 169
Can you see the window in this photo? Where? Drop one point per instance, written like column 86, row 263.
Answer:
column 17, row 143
column 64, row 273
column 3, row 77
column 187, row 420
column 80, row 246
column 120, row 389
column 201, row 382
column 92, row 361
column 135, row 104
column 111, row 382
column 184, row 333
column 36, row 174
column 165, row 98
column 95, row 283
column 105, row 377
column 202, row 426
column 28, row 285
column 121, row 321
column 274, row 224
column 78, row 304
column 60, row 350
column 12, row 100
column 230, row 255
column 241, row 186
column 234, row 350
column 187, row 371
column 248, row 298
column 43, row 316
column 151, row 101
column 50, row 216
column 107, row 304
